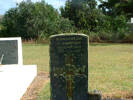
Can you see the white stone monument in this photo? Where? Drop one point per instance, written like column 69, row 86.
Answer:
column 15, row 77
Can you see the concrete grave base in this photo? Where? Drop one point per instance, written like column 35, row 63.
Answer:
column 15, row 79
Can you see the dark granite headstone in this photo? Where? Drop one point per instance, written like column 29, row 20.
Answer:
column 8, row 52
column 69, row 67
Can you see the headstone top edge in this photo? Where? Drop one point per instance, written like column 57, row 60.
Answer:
column 68, row 34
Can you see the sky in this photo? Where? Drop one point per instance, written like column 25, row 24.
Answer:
column 7, row 4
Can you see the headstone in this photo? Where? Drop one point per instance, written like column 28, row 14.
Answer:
column 10, row 51
column 69, row 67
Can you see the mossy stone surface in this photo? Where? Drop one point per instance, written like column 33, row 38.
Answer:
column 69, row 67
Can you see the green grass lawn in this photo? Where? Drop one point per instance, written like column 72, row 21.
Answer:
column 37, row 54
column 110, row 67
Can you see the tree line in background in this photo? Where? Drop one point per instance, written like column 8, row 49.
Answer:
column 106, row 22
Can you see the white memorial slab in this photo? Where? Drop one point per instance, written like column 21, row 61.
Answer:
column 15, row 77
column 15, row 80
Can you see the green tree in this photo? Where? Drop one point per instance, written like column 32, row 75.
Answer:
column 66, row 26
column 75, row 10
column 9, row 22
column 116, row 7
column 1, row 18
column 84, row 14
column 31, row 20
column 104, row 23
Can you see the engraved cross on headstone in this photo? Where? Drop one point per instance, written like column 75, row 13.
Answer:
column 69, row 74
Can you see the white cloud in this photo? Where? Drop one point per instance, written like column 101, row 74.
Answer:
column 35, row 0
column 56, row 3
column 17, row 1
